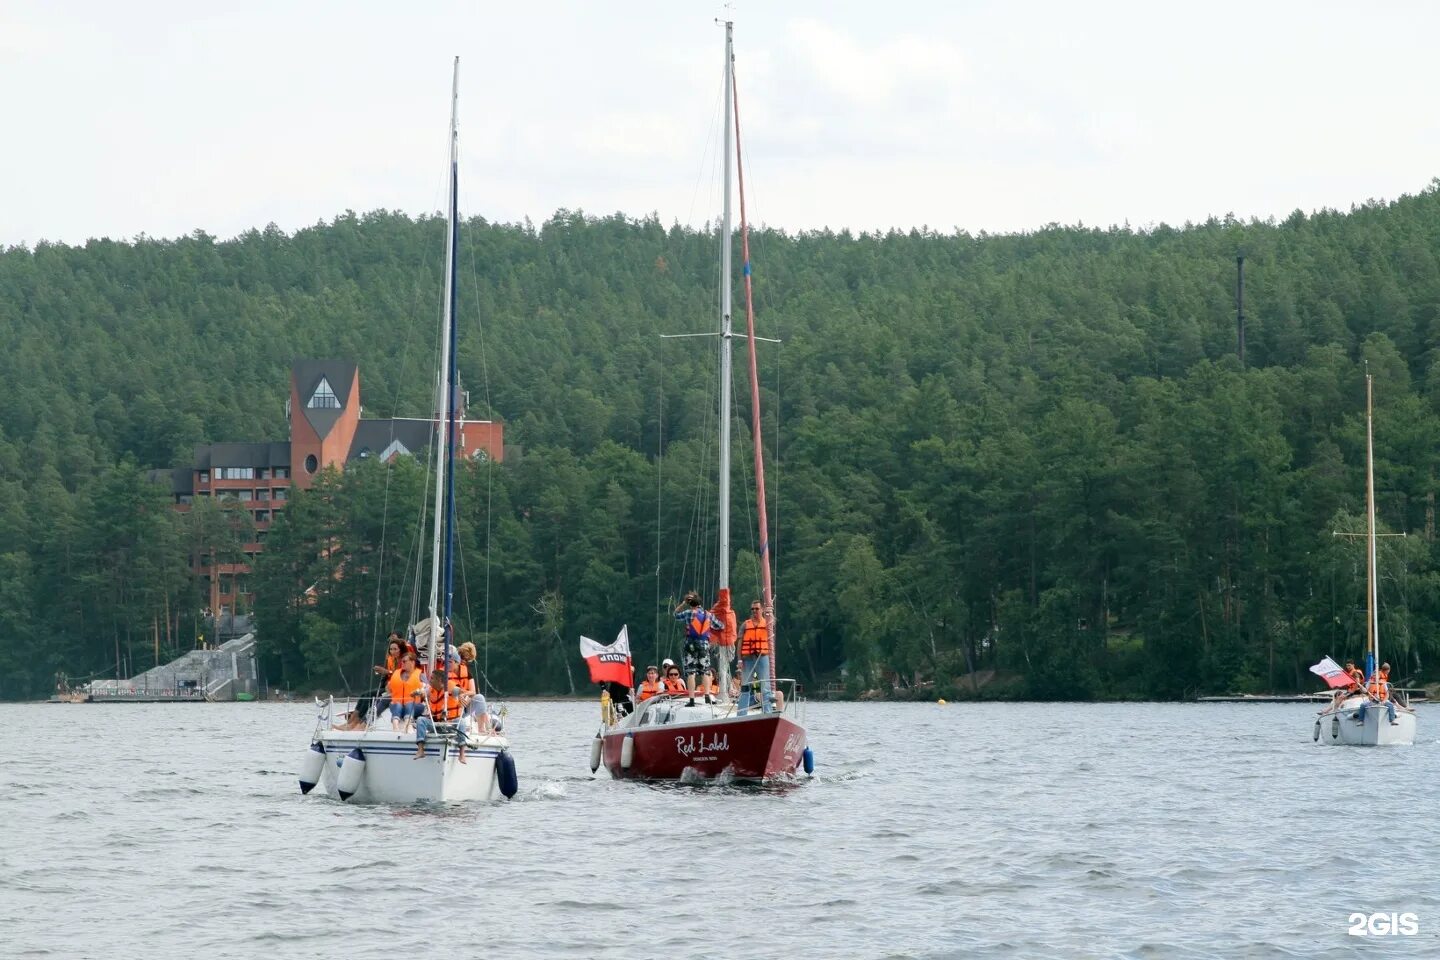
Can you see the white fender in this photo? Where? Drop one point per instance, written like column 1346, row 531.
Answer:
column 627, row 751
column 597, row 750
column 311, row 766
column 352, row 774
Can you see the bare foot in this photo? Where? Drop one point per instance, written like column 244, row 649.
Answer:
column 420, row 753
column 462, row 757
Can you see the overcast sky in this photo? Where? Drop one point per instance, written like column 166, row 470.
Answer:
column 166, row 117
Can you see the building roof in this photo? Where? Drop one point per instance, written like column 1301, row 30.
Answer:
column 263, row 454
column 179, row 481
column 385, row 438
column 307, row 374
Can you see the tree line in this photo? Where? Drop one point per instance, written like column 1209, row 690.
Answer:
column 1033, row 454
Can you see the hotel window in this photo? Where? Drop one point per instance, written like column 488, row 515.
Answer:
column 262, row 516
column 235, row 473
column 282, row 473
column 262, row 494
column 280, row 493
column 264, row 474
column 244, row 494
column 204, row 476
column 324, row 397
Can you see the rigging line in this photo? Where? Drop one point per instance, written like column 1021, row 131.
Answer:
column 659, row 495
column 489, row 458
column 706, row 153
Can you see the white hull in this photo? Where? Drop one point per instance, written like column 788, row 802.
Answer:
column 1338, row 726
column 393, row 775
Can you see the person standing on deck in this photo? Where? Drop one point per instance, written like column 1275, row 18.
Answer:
column 699, row 623
column 755, row 660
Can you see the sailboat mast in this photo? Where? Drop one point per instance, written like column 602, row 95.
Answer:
column 444, row 406
column 1372, row 595
column 725, row 329
column 767, row 586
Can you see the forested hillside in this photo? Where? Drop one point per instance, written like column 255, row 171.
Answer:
column 1037, row 453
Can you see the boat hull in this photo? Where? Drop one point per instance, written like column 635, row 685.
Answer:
column 755, row 747
column 394, row 775
column 1338, row 726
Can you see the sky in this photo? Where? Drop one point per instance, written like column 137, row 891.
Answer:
column 161, row 118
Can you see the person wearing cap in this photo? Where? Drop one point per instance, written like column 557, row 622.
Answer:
column 699, row 623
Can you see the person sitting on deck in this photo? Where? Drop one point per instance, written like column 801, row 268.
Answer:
column 1357, row 677
column 466, row 675
column 673, row 684
column 444, row 702
column 699, row 622
column 404, row 687
column 357, row 718
column 1379, row 691
column 651, row 685
column 1385, row 672
column 394, row 650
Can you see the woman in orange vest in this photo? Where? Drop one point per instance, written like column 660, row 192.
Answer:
column 466, row 676
column 673, row 684
column 650, row 686
column 404, row 688
column 755, row 660
column 443, row 705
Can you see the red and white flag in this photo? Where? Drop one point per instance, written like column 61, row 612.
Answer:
column 609, row 663
column 1332, row 673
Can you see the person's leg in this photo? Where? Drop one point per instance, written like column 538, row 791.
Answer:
column 1360, row 714
column 767, row 688
column 424, row 726
column 1390, row 710
column 747, row 666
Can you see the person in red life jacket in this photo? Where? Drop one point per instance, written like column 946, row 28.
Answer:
column 755, row 660
column 699, row 623
column 672, row 683
column 444, row 702
column 650, row 686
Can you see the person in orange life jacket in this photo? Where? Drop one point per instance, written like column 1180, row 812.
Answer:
column 1379, row 689
column 1353, row 672
column 698, row 624
column 755, row 660
column 394, row 649
column 467, row 676
column 404, row 685
column 444, row 701
column 672, row 683
column 650, row 686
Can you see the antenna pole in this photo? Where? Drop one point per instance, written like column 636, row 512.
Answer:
column 1240, row 308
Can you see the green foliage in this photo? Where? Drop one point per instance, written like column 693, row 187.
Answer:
column 1035, row 454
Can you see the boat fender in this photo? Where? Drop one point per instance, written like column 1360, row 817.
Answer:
column 597, row 748
column 808, row 759
column 505, row 773
column 627, row 751
column 352, row 773
column 311, row 766
column 1317, row 731
column 1335, row 728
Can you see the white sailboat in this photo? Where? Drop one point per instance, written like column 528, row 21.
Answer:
column 1369, row 714
column 679, row 737
column 381, row 765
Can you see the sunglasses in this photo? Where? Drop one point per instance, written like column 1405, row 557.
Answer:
column 672, row 674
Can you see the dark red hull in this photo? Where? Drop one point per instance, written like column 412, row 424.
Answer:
column 756, row 747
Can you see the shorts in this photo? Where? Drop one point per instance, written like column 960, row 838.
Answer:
column 696, row 656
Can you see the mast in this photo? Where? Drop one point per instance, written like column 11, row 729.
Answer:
column 1372, row 605
column 725, row 330
column 767, row 586
column 440, row 556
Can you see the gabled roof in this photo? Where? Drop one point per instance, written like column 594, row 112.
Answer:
column 307, row 375
column 374, row 438
column 264, row 454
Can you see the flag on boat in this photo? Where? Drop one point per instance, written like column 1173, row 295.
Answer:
column 608, row 663
column 1332, row 673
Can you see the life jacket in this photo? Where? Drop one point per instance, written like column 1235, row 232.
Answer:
column 648, row 689
column 444, row 705
column 698, row 626
column 392, row 663
column 460, row 677
column 676, row 685
column 402, row 689
column 1384, row 674
column 1379, row 689
column 1356, row 676
column 755, row 638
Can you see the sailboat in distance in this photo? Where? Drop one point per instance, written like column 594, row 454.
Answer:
column 681, row 736
column 1366, row 712
column 460, row 759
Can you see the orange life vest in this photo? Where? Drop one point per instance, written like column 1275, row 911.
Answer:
column 755, row 638
column 443, row 705
column 392, row 663
column 1356, row 676
column 675, row 685
column 402, row 688
column 698, row 626
column 648, row 689
column 1384, row 674
column 460, row 677
column 1379, row 689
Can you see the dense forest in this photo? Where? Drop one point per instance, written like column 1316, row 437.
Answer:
column 1037, row 455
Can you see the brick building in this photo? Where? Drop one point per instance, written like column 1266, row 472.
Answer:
column 326, row 430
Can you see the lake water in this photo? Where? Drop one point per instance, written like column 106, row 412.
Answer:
column 987, row 830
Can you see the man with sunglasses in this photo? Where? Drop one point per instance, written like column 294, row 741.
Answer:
column 755, row 660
